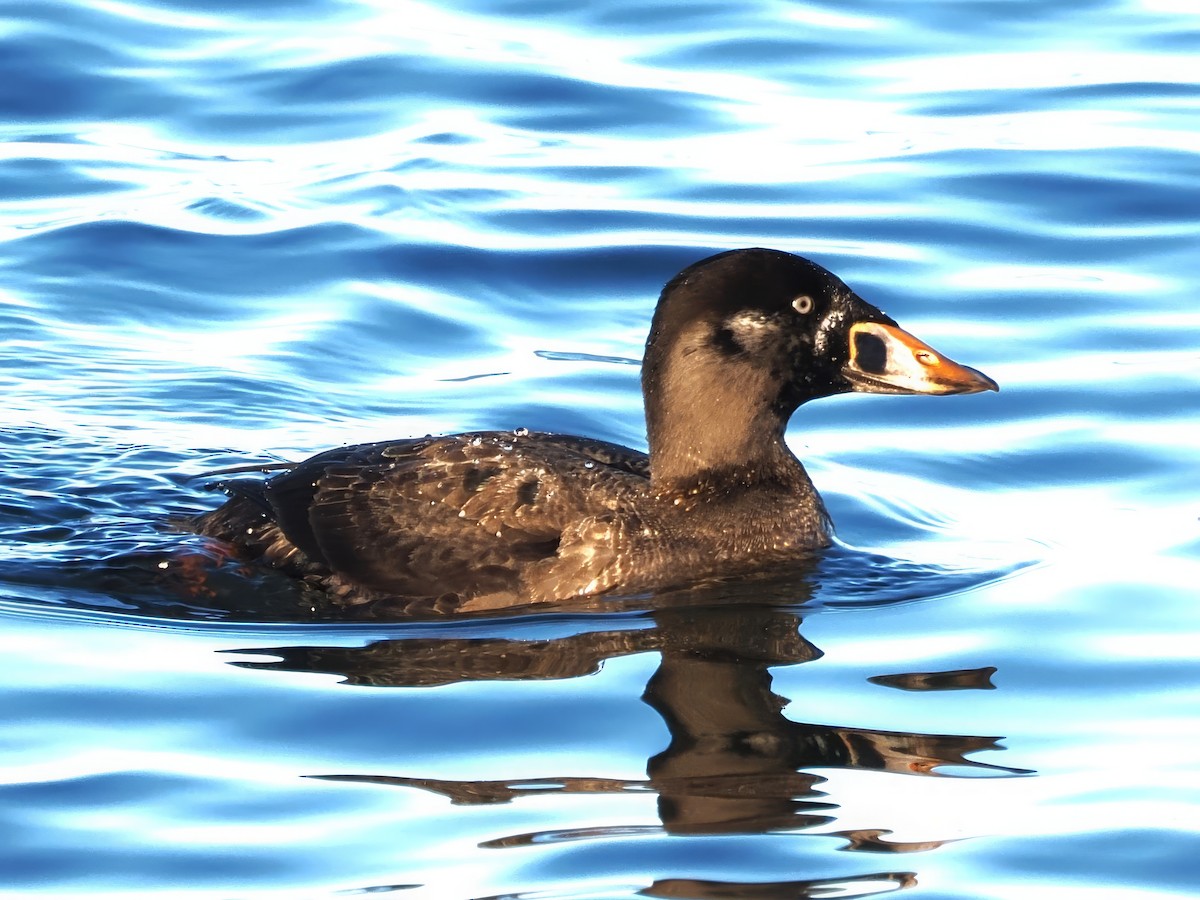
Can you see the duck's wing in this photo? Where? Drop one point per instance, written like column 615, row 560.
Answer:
column 464, row 515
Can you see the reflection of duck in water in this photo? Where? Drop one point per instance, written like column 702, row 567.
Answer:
column 734, row 763
column 496, row 519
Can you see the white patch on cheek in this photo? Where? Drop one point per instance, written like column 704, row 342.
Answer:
column 752, row 330
column 748, row 322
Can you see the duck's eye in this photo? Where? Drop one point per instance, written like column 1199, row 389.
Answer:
column 803, row 304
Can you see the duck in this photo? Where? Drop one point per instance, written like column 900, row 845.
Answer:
column 491, row 520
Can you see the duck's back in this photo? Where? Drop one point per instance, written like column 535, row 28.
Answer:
column 468, row 521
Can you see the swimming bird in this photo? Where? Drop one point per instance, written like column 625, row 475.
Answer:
column 490, row 519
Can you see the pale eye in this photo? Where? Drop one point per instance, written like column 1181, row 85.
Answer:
column 803, row 304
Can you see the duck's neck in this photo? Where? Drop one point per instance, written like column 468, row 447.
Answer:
column 699, row 436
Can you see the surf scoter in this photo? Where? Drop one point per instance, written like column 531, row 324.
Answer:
column 496, row 519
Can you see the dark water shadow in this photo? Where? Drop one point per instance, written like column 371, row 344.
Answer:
column 161, row 576
column 855, row 886
column 803, row 889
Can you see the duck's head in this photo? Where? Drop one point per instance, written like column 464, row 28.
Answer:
column 739, row 340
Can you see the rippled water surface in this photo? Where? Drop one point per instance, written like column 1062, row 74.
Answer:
column 232, row 233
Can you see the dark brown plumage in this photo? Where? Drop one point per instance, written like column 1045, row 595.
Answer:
column 498, row 519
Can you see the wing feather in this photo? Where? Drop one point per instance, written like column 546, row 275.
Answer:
column 471, row 515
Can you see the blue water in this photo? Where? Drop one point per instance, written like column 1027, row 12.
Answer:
column 232, row 233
